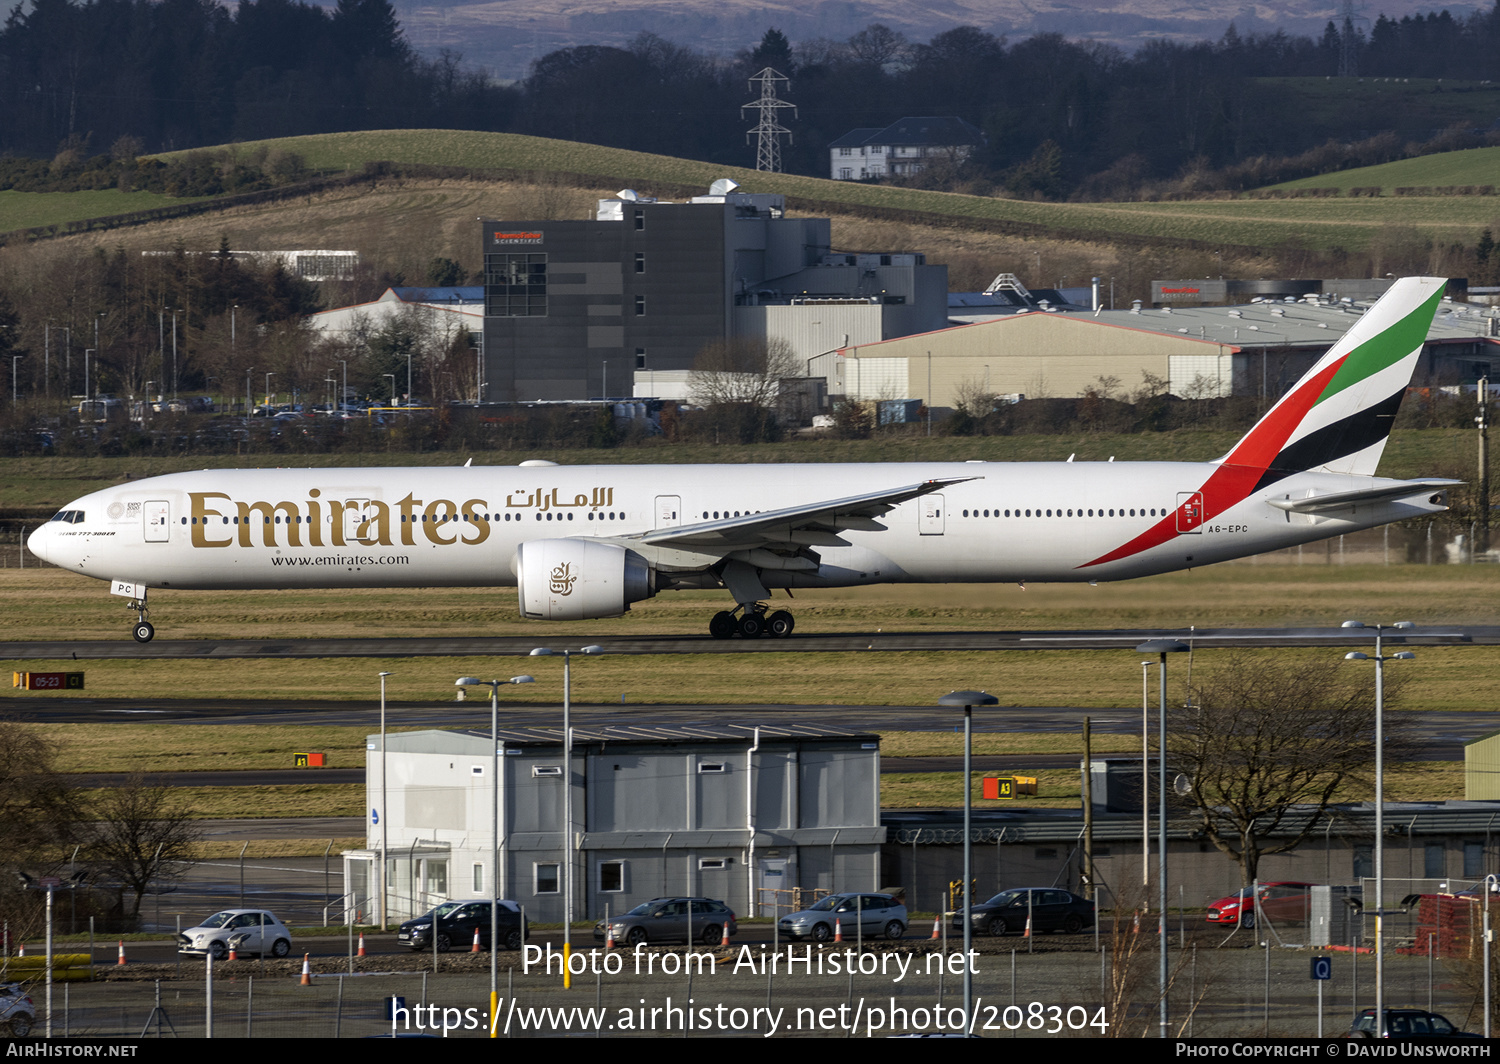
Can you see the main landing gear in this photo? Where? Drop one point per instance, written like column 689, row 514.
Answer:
column 752, row 623
column 142, row 629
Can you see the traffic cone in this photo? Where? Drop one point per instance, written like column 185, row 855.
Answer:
column 234, row 953
column 935, row 921
column 1027, row 934
column 475, row 947
column 361, row 944
column 1136, row 930
column 306, row 970
column 121, row 959
column 725, row 940
column 838, row 930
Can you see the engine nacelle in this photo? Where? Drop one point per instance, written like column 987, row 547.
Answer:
column 575, row 579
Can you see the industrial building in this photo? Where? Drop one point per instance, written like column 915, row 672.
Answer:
column 574, row 308
column 1052, row 351
column 732, row 812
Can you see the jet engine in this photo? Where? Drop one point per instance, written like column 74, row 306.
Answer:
column 575, row 579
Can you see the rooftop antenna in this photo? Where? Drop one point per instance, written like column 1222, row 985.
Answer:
column 769, row 129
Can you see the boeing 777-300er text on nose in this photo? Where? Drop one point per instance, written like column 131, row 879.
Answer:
column 587, row 541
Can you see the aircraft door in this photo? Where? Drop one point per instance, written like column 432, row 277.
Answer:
column 930, row 522
column 157, row 513
column 356, row 511
column 668, row 511
column 1189, row 512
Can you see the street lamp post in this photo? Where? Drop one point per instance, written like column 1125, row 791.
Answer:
column 567, row 656
column 13, row 390
column 968, row 699
column 384, row 812
column 1162, row 647
column 269, row 375
column 494, row 887
column 392, row 377
column 1380, row 660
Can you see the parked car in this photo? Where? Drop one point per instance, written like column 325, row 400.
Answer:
column 1050, row 909
column 458, row 920
column 17, row 1011
column 1280, row 903
column 671, row 920
column 870, row 914
column 246, row 930
column 1406, row 1023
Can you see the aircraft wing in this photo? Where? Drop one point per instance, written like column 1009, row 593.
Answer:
column 815, row 524
column 1342, row 500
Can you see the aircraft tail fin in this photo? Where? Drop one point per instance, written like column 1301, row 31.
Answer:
column 1337, row 418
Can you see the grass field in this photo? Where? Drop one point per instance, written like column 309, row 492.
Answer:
column 1425, row 781
column 1475, row 166
column 1412, row 107
column 1348, row 224
column 23, row 210
column 61, row 605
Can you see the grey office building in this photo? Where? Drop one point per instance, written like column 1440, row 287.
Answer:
column 574, row 308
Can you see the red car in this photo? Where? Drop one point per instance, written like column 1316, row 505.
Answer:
column 1280, row 903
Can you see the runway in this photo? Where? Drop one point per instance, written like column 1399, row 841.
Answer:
column 810, row 643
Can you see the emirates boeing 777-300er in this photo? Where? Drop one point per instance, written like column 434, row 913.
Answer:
column 587, row 541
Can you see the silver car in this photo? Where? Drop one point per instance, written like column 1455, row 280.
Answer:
column 869, row 914
column 245, row 930
column 667, row 920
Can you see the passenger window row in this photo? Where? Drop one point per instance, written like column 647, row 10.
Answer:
column 1077, row 512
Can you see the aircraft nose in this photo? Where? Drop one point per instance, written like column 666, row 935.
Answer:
column 38, row 541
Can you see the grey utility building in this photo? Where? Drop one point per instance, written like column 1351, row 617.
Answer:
column 574, row 308
column 750, row 816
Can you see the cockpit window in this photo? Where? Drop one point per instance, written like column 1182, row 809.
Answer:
column 72, row 517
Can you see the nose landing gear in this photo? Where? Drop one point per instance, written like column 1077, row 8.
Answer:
column 752, row 623
column 142, row 630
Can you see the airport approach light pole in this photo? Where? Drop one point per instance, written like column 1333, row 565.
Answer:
column 1162, row 647
column 567, row 656
column 1380, row 660
column 968, row 699
column 494, row 686
column 384, row 832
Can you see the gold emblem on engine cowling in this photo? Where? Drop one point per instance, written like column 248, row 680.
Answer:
column 562, row 579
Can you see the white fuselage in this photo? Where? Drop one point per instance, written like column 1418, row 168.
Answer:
column 461, row 526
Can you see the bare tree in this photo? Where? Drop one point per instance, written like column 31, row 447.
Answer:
column 1265, row 749
column 742, row 369
column 38, row 812
column 972, row 397
column 144, row 834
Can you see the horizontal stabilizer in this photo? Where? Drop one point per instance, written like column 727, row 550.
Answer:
column 1343, row 500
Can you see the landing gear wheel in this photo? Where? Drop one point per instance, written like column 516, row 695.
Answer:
column 723, row 625
column 753, row 625
column 143, row 631
column 780, row 624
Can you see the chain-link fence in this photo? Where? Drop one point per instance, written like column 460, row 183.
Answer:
column 752, row 990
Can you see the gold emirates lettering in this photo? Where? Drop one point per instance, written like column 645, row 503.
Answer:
column 360, row 521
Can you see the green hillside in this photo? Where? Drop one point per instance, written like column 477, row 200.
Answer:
column 1276, row 224
column 1475, row 166
column 23, row 210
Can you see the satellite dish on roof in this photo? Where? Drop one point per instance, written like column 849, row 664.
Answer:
column 722, row 187
column 628, row 194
